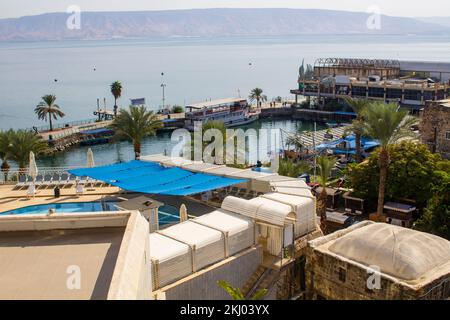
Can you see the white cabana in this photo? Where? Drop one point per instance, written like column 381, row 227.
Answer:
column 305, row 208
column 171, row 260
column 276, row 220
column 250, row 175
column 263, row 184
column 261, row 209
column 207, row 244
column 239, row 230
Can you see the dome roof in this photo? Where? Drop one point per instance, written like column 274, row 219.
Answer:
column 403, row 253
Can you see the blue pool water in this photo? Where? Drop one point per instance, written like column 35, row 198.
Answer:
column 167, row 214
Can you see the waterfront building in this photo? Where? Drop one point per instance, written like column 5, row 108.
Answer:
column 232, row 112
column 410, row 84
column 435, row 127
column 378, row 261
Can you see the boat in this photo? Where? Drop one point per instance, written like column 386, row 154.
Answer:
column 96, row 136
column 233, row 112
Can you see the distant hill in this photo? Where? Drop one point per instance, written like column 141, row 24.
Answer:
column 207, row 23
column 443, row 21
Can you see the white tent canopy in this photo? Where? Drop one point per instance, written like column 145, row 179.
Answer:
column 193, row 234
column 163, row 248
column 225, row 221
column 261, row 209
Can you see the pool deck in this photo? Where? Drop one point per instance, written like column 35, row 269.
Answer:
column 11, row 199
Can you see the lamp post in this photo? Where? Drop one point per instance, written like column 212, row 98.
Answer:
column 163, row 86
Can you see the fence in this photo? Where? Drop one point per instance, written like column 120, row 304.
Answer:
column 62, row 125
column 12, row 176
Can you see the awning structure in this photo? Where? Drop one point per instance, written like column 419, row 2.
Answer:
column 153, row 178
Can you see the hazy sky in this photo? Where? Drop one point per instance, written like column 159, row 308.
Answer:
column 16, row 8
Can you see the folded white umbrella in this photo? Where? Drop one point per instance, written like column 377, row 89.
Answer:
column 183, row 213
column 90, row 159
column 32, row 169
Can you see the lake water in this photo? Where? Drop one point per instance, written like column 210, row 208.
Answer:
column 195, row 69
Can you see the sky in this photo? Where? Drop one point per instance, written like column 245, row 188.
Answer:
column 407, row 8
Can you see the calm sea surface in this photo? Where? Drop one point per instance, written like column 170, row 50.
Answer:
column 194, row 70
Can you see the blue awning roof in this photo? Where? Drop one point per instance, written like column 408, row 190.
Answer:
column 350, row 143
column 150, row 177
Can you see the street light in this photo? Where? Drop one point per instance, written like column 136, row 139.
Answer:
column 163, row 86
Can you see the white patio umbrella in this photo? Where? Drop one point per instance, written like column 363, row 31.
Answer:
column 90, row 159
column 183, row 213
column 32, row 169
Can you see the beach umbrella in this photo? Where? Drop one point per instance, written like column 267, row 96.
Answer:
column 32, row 169
column 90, row 159
column 183, row 213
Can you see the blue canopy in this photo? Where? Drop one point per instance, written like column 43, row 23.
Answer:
column 348, row 145
column 151, row 177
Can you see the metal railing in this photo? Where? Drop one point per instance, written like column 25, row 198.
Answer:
column 12, row 176
column 62, row 125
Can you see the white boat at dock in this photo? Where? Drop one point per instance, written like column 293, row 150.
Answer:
column 232, row 112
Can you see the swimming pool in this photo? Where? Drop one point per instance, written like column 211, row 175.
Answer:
column 167, row 214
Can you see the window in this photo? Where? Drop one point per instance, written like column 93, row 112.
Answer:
column 447, row 135
column 342, row 274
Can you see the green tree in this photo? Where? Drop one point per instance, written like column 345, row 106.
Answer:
column 5, row 150
column 177, row 109
column 413, row 173
column 357, row 127
column 436, row 218
column 236, row 293
column 325, row 165
column 22, row 143
column 47, row 109
column 116, row 90
column 288, row 168
column 135, row 124
column 257, row 94
column 388, row 125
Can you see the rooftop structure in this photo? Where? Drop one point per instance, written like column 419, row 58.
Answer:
column 74, row 256
column 406, row 82
column 411, row 264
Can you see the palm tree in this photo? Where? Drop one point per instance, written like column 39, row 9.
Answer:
column 116, row 90
column 5, row 150
column 22, row 143
column 236, row 293
column 325, row 164
column 257, row 94
column 388, row 125
column 357, row 127
column 47, row 109
column 135, row 124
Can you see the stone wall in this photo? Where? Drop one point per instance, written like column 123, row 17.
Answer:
column 434, row 124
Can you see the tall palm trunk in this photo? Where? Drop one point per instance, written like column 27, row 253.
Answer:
column 5, row 169
column 137, row 150
column 384, row 162
column 115, row 107
column 50, row 121
column 358, row 147
column 322, row 210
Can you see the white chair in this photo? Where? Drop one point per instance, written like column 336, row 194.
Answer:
column 79, row 189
